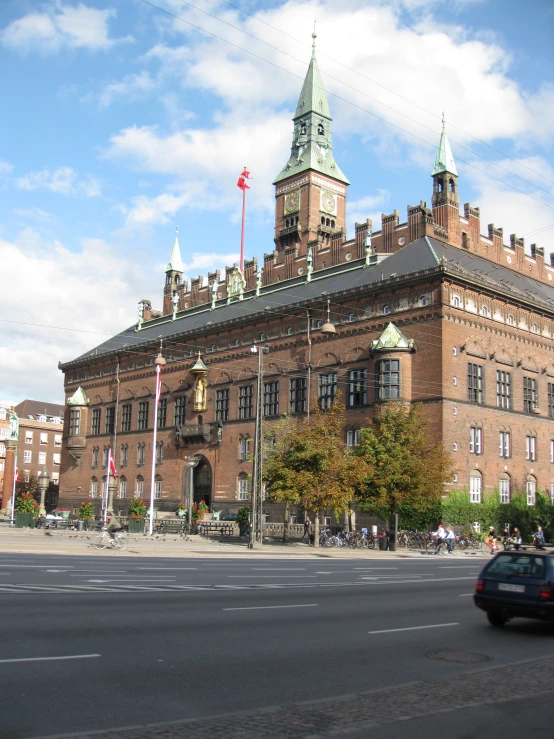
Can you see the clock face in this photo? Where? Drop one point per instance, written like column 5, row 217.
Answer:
column 328, row 202
column 292, row 202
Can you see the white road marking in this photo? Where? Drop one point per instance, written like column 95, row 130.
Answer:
column 167, row 568
column 34, row 567
column 458, row 567
column 50, row 659
column 465, row 595
column 267, row 608
column 57, row 570
column 371, row 569
column 280, row 569
column 413, row 628
column 140, row 579
column 257, row 577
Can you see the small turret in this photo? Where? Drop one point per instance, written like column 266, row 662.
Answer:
column 445, row 174
column 173, row 277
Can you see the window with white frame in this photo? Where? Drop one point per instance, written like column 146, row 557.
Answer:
column 244, row 448
column 43, row 439
column 456, row 301
column 95, row 453
column 531, row 448
column 158, row 488
column 56, row 419
column 57, row 439
column 551, row 451
column 2, row 450
column 139, row 487
column 504, row 489
column 475, row 489
column 504, row 444
column 57, row 458
column 74, row 422
column 531, row 490
column 27, row 456
column 141, row 454
column 552, row 493
column 503, row 389
column 26, row 475
column 159, row 452
column 242, row 487
column 3, row 433
column 476, row 440
column 352, row 437
column 2, row 465
column 28, row 437
column 42, row 418
column 55, row 478
column 123, row 487
column 94, row 488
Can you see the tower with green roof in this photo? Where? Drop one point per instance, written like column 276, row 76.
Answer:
column 446, row 201
column 173, row 275
column 311, row 188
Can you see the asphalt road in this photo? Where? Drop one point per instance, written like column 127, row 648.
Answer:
column 92, row 643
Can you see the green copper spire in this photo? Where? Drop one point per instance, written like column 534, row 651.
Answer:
column 444, row 161
column 78, row 398
column 312, row 144
column 392, row 339
column 175, row 264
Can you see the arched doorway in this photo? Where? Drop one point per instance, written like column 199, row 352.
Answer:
column 202, row 481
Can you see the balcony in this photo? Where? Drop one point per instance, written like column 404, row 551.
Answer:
column 195, row 432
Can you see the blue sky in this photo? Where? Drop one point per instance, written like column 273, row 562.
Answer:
column 121, row 121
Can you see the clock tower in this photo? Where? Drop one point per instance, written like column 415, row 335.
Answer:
column 310, row 191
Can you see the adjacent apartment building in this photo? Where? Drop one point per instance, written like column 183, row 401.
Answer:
column 428, row 309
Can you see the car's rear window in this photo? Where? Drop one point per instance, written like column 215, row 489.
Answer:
column 518, row 565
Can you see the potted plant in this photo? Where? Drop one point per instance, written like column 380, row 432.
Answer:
column 243, row 519
column 204, row 511
column 181, row 510
column 26, row 511
column 86, row 513
column 137, row 510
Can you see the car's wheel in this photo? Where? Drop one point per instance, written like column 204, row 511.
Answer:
column 496, row 619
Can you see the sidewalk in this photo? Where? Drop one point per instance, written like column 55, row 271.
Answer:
column 33, row 541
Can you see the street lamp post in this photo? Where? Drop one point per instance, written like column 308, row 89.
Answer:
column 191, row 463
column 43, row 482
column 256, row 528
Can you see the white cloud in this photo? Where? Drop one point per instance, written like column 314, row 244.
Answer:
column 5, row 168
column 132, row 86
column 34, row 213
column 63, row 180
column 60, row 26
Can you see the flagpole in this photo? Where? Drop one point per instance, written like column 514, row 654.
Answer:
column 105, row 500
column 13, row 492
column 242, row 230
column 152, row 478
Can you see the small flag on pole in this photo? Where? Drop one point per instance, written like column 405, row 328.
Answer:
column 158, row 383
column 16, row 474
column 111, row 464
column 245, row 175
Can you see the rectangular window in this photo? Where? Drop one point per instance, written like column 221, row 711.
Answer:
column 531, row 448
column 74, row 422
column 142, row 415
column 28, row 437
column 57, row 458
column 157, row 489
column 503, row 389
column 475, row 489
column 505, row 444
column 530, row 397
column 124, row 455
column 243, row 488
column 105, row 453
column 327, row 390
column 352, row 437
column 271, row 398
column 552, row 493
column 551, row 451
column 246, row 401
column 162, row 413
column 298, row 395
column 475, row 440
column 44, row 439
column 244, row 448
column 56, row 478
column 126, row 417
column 123, row 488
column 2, row 450
column 141, row 454
column 531, row 490
column 504, row 491
column 550, row 400
column 57, row 439
column 139, row 488
column 94, row 489
column 110, row 419
column 180, row 406
column 95, row 451
column 357, row 387
column 27, row 456
column 2, row 465
column 42, row 457
column 475, row 383
column 95, row 422
column 222, row 405
column 26, row 476
column 387, row 379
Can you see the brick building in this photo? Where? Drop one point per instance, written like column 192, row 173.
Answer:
column 429, row 310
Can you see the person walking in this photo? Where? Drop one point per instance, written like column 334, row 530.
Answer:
column 307, row 527
column 516, row 539
column 450, row 539
column 538, row 538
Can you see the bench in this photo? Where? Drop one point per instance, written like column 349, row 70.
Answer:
column 209, row 528
column 172, row 527
column 49, row 523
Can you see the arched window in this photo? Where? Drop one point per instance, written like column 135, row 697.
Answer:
column 322, row 220
column 386, row 310
column 456, row 301
column 212, row 348
column 510, row 320
column 94, row 487
column 351, row 317
column 319, row 323
column 504, row 488
column 320, row 129
column 122, row 486
column 451, row 185
column 168, row 280
column 424, row 300
column 302, row 129
column 484, row 311
column 289, row 330
column 441, row 185
column 262, row 337
column 531, row 489
column 534, row 328
column 236, row 342
column 139, row 486
column 475, row 486
column 242, row 486
column 158, row 487
column 177, row 279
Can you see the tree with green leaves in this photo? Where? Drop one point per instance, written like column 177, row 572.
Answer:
column 406, row 467
column 312, row 466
